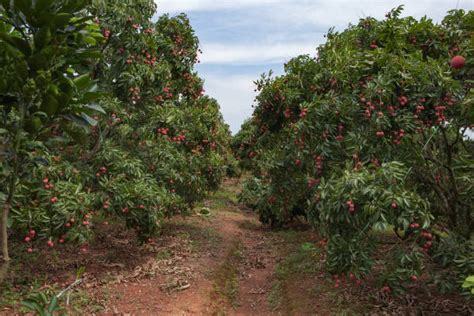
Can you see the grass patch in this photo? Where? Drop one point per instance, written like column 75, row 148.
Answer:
column 79, row 300
column 301, row 285
column 226, row 278
column 201, row 237
column 164, row 254
column 222, row 200
column 204, row 238
column 249, row 225
column 301, row 261
column 225, row 195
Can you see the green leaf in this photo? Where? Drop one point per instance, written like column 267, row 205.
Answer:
column 53, row 305
column 33, row 306
column 88, row 97
column 89, row 119
column 17, row 43
column 80, row 272
column 89, row 54
column 61, row 20
column 95, row 107
column 83, row 82
column 90, row 40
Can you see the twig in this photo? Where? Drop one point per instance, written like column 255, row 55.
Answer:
column 70, row 287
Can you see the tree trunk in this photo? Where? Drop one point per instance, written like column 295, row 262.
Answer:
column 4, row 232
column 6, row 211
column 12, row 186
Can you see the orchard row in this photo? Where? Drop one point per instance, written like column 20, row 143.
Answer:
column 370, row 139
column 103, row 118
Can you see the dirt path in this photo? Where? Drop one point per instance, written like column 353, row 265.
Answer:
column 229, row 273
column 227, row 263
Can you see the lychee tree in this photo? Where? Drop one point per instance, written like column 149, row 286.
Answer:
column 160, row 118
column 372, row 135
column 46, row 50
column 158, row 147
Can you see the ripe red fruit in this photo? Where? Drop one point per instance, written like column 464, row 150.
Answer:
column 61, row 241
column 45, row 180
column 125, row 210
column 414, row 225
column 457, row 62
column 27, row 239
column 67, row 225
column 298, row 162
column 414, row 278
column 394, row 205
column 32, row 233
column 50, row 243
column 350, row 206
column 54, row 199
column 403, row 100
column 29, row 250
column 386, row 289
column 380, row 134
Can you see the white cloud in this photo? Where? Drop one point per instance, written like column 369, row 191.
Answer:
column 177, row 6
column 215, row 53
column 325, row 12
column 235, row 95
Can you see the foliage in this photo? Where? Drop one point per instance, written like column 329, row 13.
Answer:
column 469, row 283
column 158, row 144
column 41, row 304
column 370, row 135
column 46, row 49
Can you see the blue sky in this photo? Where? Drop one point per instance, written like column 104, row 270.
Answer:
column 241, row 39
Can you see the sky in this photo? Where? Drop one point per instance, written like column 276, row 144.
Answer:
column 241, row 39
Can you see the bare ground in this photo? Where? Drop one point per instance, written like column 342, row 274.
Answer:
column 221, row 263
column 231, row 275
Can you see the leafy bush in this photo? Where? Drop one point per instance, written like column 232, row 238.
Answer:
column 46, row 50
column 158, row 144
column 370, row 135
